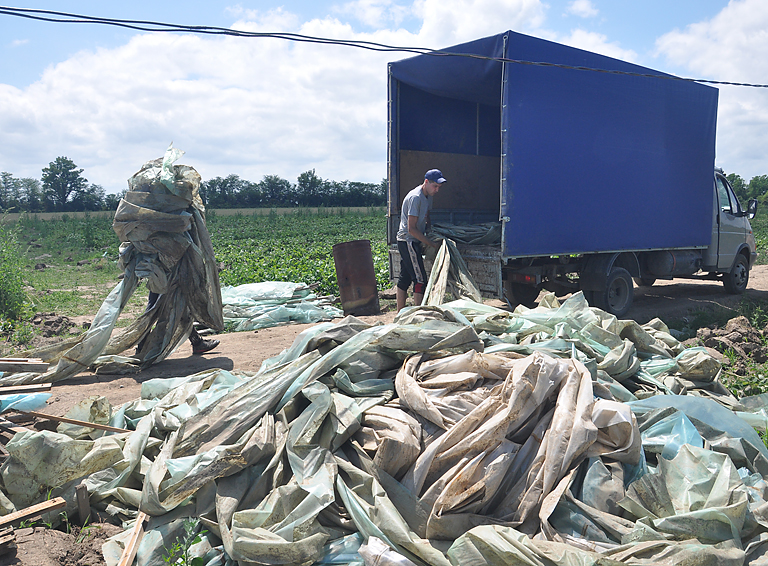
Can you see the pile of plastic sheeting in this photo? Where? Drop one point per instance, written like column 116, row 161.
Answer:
column 450, row 274
column 487, row 233
column 165, row 241
column 259, row 305
column 459, row 434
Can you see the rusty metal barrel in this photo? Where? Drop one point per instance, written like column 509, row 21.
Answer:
column 356, row 277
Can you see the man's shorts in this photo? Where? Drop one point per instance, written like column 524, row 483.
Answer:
column 411, row 267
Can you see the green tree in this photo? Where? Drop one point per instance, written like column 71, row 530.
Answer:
column 112, row 200
column 739, row 186
column 222, row 192
column 758, row 187
column 62, row 179
column 90, row 197
column 31, row 198
column 309, row 189
column 276, row 191
column 9, row 192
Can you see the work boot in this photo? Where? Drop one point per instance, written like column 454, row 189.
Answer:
column 204, row 346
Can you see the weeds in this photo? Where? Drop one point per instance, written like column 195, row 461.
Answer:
column 178, row 553
column 12, row 296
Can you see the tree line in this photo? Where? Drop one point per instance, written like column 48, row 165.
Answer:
column 63, row 188
column 756, row 188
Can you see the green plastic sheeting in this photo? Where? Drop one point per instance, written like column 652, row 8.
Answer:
column 260, row 305
column 459, row 434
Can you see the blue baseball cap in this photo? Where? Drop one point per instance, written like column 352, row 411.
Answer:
column 435, row 175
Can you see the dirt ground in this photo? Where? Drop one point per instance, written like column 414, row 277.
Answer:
column 668, row 300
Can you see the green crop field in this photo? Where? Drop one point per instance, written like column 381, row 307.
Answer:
column 69, row 264
column 296, row 246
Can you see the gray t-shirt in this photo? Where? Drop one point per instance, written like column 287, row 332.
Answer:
column 417, row 204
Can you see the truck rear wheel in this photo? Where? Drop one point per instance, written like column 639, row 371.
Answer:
column 616, row 297
column 736, row 280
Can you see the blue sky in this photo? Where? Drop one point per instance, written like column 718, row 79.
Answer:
column 111, row 98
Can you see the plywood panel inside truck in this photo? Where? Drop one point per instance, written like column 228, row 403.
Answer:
column 473, row 180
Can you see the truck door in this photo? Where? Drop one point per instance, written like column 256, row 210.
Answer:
column 732, row 232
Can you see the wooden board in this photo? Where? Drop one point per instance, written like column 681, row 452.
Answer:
column 72, row 421
column 32, row 511
column 137, row 533
column 7, row 540
column 12, row 428
column 16, row 365
column 34, row 388
column 473, row 180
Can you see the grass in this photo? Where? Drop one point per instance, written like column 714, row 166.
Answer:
column 760, row 229
column 80, row 259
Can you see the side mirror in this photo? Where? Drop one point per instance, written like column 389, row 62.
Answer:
column 751, row 208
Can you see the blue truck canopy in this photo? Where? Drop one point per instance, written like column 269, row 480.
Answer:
column 572, row 160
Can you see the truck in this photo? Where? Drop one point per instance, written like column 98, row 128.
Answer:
column 600, row 173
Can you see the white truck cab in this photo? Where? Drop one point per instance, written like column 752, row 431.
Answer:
column 732, row 251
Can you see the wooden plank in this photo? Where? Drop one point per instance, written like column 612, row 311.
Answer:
column 34, row 388
column 71, row 421
column 12, row 428
column 33, row 511
column 16, row 367
column 133, row 542
column 474, row 180
column 21, row 360
column 83, row 503
column 7, row 535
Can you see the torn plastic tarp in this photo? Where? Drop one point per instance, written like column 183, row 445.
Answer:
column 450, row 274
column 165, row 241
column 260, row 305
column 417, row 434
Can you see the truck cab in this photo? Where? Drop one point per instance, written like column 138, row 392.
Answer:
column 733, row 250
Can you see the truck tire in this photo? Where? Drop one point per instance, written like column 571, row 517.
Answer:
column 616, row 297
column 644, row 281
column 736, row 280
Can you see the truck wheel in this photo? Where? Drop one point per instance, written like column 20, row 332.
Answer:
column 736, row 280
column 644, row 281
column 617, row 296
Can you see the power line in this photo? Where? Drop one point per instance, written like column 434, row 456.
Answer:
column 152, row 26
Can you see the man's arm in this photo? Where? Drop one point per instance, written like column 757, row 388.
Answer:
column 416, row 233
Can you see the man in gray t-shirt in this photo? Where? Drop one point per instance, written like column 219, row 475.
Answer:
column 414, row 219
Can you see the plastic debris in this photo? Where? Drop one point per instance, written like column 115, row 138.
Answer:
column 459, row 434
column 260, row 305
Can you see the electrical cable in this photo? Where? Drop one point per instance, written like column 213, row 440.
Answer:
column 151, row 26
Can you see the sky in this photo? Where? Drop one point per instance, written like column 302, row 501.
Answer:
column 112, row 98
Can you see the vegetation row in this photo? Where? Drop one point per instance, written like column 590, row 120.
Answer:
column 63, row 188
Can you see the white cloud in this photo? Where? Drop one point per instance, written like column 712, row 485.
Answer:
column 731, row 47
column 453, row 21
column 19, row 42
column 252, row 107
column 598, row 43
column 375, row 13
column 582, row 8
